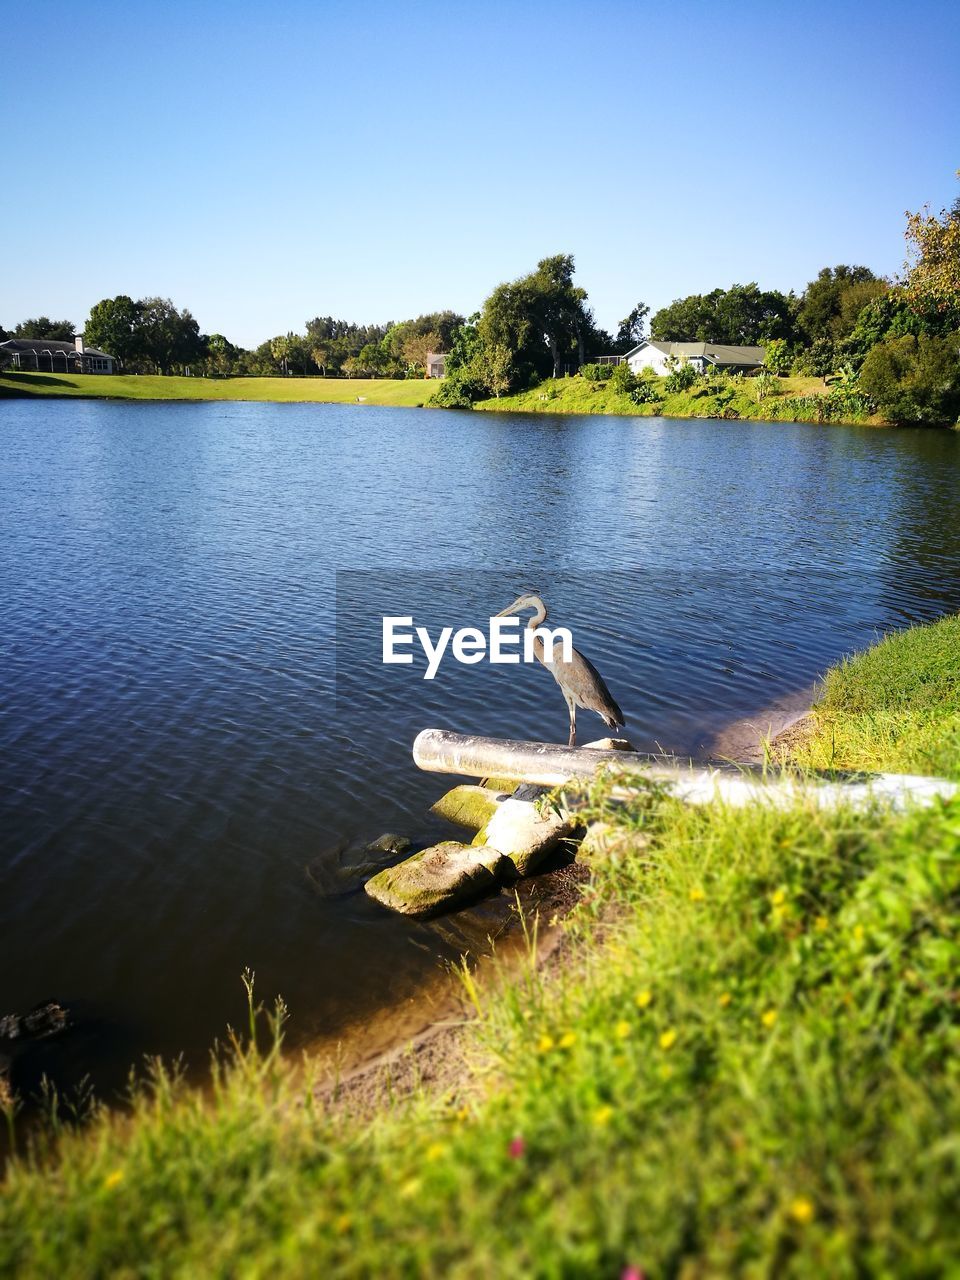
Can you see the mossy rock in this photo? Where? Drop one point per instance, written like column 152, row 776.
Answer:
column 444, row 876
column 467, row 806
column 502, row 786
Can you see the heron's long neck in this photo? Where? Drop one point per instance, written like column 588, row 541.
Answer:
column 539, row 615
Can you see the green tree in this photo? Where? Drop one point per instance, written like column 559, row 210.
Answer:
column 914, row 379
column 630, row 331
column 542, row 319
column 114, row 326
column 222, row 357
column 933, row 266
column 169, row 338
column 776, row 356
column 744, row 314
column 823, row 314
column 44, row 327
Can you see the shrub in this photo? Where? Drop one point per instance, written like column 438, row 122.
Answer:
column 914, row 379
column 597, row 372
column 458, row 390
column 764, row 386
column 681, row 378
column 623, row 380
column 647, row 391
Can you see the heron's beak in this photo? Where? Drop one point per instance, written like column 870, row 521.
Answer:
column 511, row 608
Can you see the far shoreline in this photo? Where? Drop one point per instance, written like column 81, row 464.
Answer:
column 570, row 397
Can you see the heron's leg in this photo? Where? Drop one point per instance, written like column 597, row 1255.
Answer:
column 572, row 708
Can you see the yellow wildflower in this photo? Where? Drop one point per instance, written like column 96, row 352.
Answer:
column 724, row 999
column 463, row 1115
column 778, row 897
column 697, row 895
column 643, row 999
column 858, row 932
column 769, row 1018
column 343, row 1224
column 544, row 1044
column 623, row 1029
column 821, row 924
column 801, row 1210
column 602, row 1116
column 668, row 1039
column 567, row 1040
column 435, row 1151
column 113, row 1179
column 410, row 1188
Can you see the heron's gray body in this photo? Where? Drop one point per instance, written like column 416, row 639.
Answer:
column 581, row 683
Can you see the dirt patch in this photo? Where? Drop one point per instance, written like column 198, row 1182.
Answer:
column 423, row 1044
column 743, row 741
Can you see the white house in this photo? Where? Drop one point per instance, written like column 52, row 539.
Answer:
column 436, row 364
column 46, row 355
column 702, row 355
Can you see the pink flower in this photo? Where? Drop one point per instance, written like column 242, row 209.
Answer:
column 632, row 1273
column 516, row 1148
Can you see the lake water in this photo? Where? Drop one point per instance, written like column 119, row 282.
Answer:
column 197, row 735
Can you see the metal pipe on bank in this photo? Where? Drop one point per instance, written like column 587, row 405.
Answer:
column 549, row 765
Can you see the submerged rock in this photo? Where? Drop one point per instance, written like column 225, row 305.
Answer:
column 525, row 833
column 389, row 843
column 47, row 1019
column 443, row 876
column 467, row 806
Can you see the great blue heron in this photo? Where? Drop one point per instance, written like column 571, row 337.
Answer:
column 580, row 681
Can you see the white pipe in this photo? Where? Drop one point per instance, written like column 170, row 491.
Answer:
column 469, row 755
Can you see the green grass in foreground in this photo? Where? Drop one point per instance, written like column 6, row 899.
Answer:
column 379, row 391
column 749, row 1066
column 577, row 395
column 896, row 706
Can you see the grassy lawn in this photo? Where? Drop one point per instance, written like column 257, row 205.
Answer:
column 747, row 1065
column 895, row 706
column 388, row 391
column 577, row 395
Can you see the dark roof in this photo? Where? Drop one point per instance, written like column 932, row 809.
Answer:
column 51, row 344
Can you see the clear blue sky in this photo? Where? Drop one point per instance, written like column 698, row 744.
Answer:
column 265, row 163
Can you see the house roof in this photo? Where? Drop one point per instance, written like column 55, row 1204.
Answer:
column 50, row 344
column 715, row 352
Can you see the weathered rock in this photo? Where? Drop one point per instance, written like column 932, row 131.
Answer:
column 611, row 744
column 525, row 834
column 389, row 843
column 605, row 840
column 467, row 806
column 443, row 876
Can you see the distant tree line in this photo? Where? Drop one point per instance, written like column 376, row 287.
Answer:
column 151, row 335
column 894, row 341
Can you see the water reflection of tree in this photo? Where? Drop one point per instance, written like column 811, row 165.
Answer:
column 921, row 573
